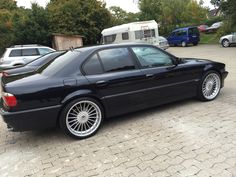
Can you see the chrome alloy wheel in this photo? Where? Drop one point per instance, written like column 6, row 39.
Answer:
column 211, row 86
column 83, row 118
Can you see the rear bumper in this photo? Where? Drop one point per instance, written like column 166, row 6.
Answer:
column 33, row 119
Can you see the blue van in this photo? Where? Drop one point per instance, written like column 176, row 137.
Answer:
column 184, row 36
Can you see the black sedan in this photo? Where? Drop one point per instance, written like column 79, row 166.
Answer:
column 33, row 65
column 84, row 86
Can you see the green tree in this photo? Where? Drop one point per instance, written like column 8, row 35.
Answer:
column 120, row 16
column 87, row 18
column 8, row 4
column 31, row 26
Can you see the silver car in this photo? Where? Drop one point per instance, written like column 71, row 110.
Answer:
column 163, row 43
column 227, row 40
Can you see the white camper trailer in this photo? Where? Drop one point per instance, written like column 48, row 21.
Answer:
column 143, row 32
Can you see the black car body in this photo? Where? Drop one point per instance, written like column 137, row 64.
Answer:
column 33, row 65
column 118, row 79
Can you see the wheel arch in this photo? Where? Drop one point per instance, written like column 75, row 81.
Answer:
column 80, row 94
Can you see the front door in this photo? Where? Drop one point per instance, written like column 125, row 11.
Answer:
column 165, row 79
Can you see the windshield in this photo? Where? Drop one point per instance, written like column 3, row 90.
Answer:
column 45, row 58
column 65, row 65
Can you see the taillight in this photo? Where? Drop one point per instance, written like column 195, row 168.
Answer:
column 9, row 99
column 5, row 74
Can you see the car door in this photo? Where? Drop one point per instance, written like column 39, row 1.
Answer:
column 172, row 38
column 114, row 75
column 234, row 38
column 166, row 80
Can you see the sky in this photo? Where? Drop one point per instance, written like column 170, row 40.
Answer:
column 127, row 5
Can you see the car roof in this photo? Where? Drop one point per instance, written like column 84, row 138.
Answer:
column 26, row 46
column 104, row 46
column 184, row 28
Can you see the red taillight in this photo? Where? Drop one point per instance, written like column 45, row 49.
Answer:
column 5, row 74
column 9, row 99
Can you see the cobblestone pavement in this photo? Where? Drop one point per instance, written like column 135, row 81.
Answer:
column 187, row 138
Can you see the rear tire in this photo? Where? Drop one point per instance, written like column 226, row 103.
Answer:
column 81, row 118
column 210, row 86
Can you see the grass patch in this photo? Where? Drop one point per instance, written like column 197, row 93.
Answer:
column 209, row 38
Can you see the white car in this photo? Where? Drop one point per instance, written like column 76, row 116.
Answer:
column 214, row 27
column 227, row 40
column 22, row 54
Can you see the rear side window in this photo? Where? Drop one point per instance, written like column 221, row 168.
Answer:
column 93, row 66
column 192, row 31
column 15, row 53
column 30, row 52
column 43, row 51
column 117, row 59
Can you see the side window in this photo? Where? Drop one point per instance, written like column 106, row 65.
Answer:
column 117, row 59
column 109, row 39
column 152, row 57
column 29, row 52
column 125, row 36
column 15, row 53
column 92, row 66
column 43, row 51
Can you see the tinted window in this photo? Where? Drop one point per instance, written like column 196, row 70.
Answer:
column 109, row 39
column 15, row 53
column 29, row 52
column 193, row 31
column 44, row 59
column 181, row 33
column 65, row 65
column 43, row 51
column 125, row 36
column 117, row 59
column 152, row 57
column 93, row 66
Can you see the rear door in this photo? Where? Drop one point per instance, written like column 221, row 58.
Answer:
column 114, row 75
column 193, row 34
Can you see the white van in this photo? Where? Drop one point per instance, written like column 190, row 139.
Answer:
column 143, row 32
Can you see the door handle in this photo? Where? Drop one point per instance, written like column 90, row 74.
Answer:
column 101, row 83
column 149, row 75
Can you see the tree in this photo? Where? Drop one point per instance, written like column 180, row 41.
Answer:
column 87, row 18
column 216, row 3
column 31, row 26
column 8, row 4
column 120, row 16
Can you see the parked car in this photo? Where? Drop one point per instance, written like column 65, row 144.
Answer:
column 227, row 40
column 163, row 43
column 83, row 86
column 184, row 36
column 33, row 65
column 202, row 28
column 214, row 27
column 19, row 55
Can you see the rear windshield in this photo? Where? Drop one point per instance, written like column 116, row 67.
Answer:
column 65, row 65
column 45, row 58
column 193, row 31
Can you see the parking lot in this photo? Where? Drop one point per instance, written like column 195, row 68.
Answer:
column 186, row 138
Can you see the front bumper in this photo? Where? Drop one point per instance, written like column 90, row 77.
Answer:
column 33, row 119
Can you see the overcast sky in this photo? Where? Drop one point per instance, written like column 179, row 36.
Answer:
column 127, row 5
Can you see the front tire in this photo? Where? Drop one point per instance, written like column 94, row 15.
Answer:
column 81, row 118
column 210, row 86
column 225, row 43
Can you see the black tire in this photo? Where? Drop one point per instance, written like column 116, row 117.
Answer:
column 225, row 43
column 64, row 118
column 195, row 43
column 200, row 94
